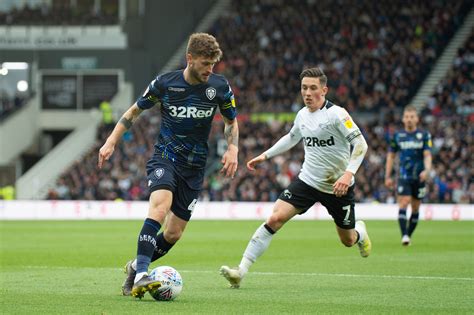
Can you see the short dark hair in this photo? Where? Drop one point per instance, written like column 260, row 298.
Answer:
column 204, row 45
column 315, row 73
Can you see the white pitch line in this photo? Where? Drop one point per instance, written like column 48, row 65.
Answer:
column 290, row 274
column 312, row 274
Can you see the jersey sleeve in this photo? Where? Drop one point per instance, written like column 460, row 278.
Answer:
column 152, row 94
column 346, row 125
column 295, row 132
column 227, row 105
column 427, row 143
column 392, row 143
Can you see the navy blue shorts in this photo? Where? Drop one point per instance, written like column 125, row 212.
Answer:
column 184, row 183
column 302, row 197
column 411, row 187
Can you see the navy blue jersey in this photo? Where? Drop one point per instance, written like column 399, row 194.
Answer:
column 411, row 146
column 187, row 112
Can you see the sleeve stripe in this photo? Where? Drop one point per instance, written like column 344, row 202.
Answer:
column 353, row 135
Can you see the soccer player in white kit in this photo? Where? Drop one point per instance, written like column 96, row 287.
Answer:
column 327, row 174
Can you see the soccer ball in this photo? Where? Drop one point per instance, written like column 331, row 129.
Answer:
column 171, row 283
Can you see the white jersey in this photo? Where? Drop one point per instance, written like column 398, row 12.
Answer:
column 326, row 135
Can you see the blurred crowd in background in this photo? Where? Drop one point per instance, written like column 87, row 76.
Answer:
column 451, row 179
column 375, row 54
column 61, row 12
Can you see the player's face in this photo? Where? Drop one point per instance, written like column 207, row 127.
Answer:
column 200, row 68
column 313, row 93
column 410, row 120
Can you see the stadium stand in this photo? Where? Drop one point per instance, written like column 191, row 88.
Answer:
column 450, row 115
column 62, row 13
column 267, row 44
column 392, row 51
column 9, row 104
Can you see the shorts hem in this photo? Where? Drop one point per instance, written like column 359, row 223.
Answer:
column 181, row 216
column 345, row 227
column 158, row 187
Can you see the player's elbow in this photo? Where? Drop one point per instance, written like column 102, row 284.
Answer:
column 361, row 147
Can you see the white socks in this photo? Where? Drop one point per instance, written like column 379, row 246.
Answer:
column 257, row 245
column 361, row 230
column 134, row 264
column 139, row 276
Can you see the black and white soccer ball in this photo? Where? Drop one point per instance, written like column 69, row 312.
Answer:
column 171, row 283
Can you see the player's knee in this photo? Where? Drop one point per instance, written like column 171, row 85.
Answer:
column 172, row 236
column 404, row 202
column 158, row 212
column 348, row 241
column 275, row 222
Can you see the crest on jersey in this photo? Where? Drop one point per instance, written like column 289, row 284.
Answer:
column 324, row 125
column 159, row 173
column 287, row 194
column 211, row 93
column 419, row 135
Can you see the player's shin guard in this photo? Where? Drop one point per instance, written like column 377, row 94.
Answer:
column 146, row 244
column 256, row 247
column 162, row 247
column 413, row 223
column 402, row 221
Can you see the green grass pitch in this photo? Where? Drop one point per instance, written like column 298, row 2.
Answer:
column 75, row 267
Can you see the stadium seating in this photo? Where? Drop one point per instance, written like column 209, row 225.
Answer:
column 375, row 54
column 58, row 12
column 9, row 105
column 391, row 51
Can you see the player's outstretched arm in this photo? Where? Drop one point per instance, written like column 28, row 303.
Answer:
column 284, row 144
column 127, row 120
column 230, row 157
column 256, row 160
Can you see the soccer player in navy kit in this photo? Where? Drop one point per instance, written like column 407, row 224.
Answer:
column 414, row 146
column 189, row 99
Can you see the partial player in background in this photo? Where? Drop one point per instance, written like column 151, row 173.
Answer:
column 327, row 174
column 189, row 99
column 414, row 146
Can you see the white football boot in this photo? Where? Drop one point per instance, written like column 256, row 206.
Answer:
column 365, row 247
column 406, row 240
column 232, row 275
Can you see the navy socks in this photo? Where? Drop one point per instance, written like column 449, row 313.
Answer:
column 162, row 247
column 402, row 221
column 147, row 241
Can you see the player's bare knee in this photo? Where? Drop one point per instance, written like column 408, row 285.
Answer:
column 275, row 222
column 348, row 240
column 158, row 213
column 404, row 201
column 172, row 236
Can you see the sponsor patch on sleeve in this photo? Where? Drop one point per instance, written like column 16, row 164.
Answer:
column 348, row 122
